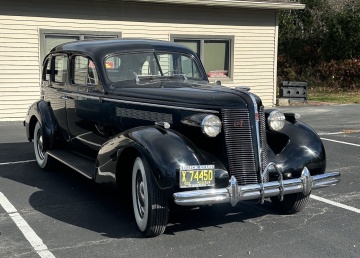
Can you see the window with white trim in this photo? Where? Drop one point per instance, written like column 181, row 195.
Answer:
column 215, row 53
column 51, row 38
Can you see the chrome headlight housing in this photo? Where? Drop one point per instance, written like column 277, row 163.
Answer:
column 211, row 125
column 276, row 120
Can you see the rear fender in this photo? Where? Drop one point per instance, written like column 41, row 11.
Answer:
column 41, row 111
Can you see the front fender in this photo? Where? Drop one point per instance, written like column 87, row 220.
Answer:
column 164, row 150
column 297, row 145
column 41, row 111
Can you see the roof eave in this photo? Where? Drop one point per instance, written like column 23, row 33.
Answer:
column 274, row 5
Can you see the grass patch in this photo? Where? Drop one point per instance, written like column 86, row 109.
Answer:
column 334, row 96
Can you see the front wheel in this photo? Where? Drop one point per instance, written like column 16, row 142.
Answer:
column 43, row 159
column 292, row 203
column 149, row 202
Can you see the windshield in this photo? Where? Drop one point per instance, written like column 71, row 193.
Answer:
column 142, row 66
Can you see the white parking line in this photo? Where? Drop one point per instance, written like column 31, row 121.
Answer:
column 340, row 205
column 347, row 143
column 24, row 227
column 321, row 134
column 342, row 132
column 17, row 162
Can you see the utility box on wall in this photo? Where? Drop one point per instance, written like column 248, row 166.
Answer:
column 293, row 90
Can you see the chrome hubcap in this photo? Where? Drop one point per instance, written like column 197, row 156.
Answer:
column 40, row 145
column 140, row 194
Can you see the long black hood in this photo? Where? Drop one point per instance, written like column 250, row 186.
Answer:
column 183, row 93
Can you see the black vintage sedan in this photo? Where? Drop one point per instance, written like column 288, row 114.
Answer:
column 141, row 116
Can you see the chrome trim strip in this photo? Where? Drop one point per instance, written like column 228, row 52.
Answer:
column 158, row 105
column 235, row 193
column 142, row 104
column 83, row 95
column 88, row 142
column 67, row 164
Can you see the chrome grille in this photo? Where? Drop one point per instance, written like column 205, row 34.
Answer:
column 263, row 142
column 239, row 146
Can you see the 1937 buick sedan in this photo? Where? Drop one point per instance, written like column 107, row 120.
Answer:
column 141, row 115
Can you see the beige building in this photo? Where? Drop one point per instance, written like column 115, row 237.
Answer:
column 236, row 40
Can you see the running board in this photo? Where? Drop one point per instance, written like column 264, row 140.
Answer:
column 84, row 166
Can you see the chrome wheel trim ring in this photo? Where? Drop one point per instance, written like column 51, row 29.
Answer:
column 41, row 156
column 40, row 145
column 140, row 194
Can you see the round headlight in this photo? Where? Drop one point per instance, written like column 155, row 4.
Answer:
column 276, row 120
column 211, row 125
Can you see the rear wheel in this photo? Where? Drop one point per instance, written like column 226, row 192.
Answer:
column 291, row 204
column 43, row 159
column 149, row 202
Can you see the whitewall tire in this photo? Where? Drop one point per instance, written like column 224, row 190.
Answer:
column 43, row 159
column 150, row 205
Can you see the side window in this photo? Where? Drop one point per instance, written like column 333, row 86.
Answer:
column 84, row 71
column 61, row 68
column 112, row 66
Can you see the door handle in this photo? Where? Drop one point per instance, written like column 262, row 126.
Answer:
column 66, row 97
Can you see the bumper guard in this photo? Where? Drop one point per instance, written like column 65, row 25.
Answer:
column 235, row 193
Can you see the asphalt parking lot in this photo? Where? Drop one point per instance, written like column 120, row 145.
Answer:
column 62, row 214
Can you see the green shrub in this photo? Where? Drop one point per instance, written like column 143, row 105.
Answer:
column 321, row 44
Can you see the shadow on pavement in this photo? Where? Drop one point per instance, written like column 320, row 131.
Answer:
column 10, row 152
column 67, row 196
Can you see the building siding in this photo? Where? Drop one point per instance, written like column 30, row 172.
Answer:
column 254, row 33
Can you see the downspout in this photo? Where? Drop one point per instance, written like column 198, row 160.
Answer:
column 276, row 43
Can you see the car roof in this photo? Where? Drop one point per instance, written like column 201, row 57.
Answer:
column 105, row 46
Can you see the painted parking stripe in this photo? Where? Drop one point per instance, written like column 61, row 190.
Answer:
column 17, row 162
column 347, row 143
column 24, row 227
column 342, row 132
column 340, row 205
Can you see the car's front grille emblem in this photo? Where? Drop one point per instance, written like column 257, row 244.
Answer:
column 238, row 123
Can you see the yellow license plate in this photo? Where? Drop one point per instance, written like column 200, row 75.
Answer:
column 197, row 176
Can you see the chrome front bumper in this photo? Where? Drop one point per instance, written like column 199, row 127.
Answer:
column 235, row 193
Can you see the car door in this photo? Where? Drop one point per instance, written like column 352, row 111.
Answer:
column 54, row 88
column 86, row 119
